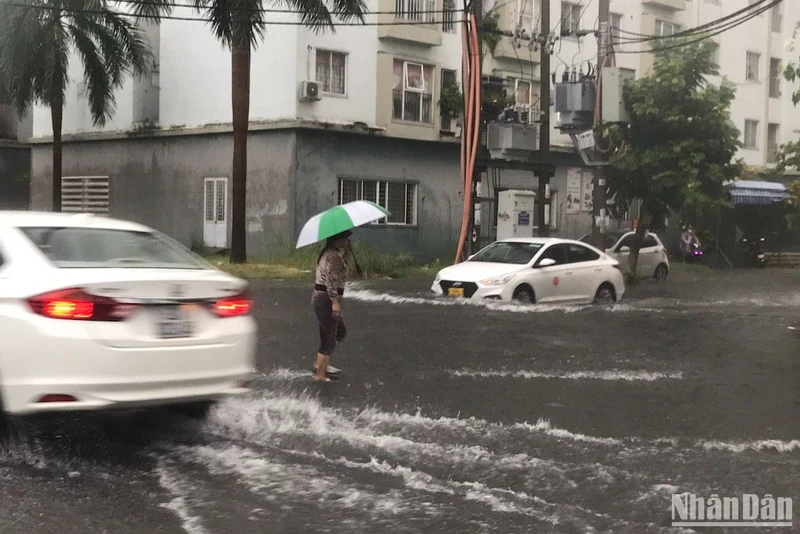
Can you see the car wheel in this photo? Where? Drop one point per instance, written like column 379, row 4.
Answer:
column 193, row 410
column 605, row 294
column 524, row 295
column 661, row 273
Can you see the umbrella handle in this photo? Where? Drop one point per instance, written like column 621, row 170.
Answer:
column 358, row 267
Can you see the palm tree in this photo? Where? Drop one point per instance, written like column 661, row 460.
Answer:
column 241, row 25
column 36, row 40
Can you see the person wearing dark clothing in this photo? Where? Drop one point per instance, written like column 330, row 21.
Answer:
column 331, row 276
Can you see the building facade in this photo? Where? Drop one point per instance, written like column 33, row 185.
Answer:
column 369, row 126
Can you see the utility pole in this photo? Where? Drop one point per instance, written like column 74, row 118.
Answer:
column 599, row 192
column 542, row 196
column 477, row 12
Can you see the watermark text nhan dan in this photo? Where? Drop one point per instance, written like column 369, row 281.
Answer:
column 747, row 510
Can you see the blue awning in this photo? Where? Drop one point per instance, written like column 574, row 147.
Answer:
column 754, row 193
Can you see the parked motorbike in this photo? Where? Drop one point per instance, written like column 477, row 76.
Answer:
column 754, row 254
column 695, row 253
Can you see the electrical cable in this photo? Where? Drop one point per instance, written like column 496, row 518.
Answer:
column 727, row 27
column 206, row 20
column 753, row 9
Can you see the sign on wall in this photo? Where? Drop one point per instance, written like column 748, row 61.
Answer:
column 588, row 190
column 573, row 202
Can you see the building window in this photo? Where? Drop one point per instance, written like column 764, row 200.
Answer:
column 751, row 134
column 525, row 16
column 772, row 143
column 525, row 101
column 665, row 28
column 85, row 194
column 776, row 19
column 753, row 63
column 332, row 72
column 570, row 18
column 422, row 11
column 615, row 24
column 774, row 78
column 715, row 54
column 400, row 198
column 449, row 16
column 413, row 92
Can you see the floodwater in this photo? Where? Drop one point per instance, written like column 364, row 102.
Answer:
column 451, row 417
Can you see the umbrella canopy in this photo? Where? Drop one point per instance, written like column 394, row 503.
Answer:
column 339, row 219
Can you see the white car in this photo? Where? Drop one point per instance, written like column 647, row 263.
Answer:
column 653, row 257
column 535, row 270
column 99, row 313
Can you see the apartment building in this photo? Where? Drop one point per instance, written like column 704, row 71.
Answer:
column 346, row 115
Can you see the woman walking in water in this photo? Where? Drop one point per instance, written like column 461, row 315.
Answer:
column 332, row 270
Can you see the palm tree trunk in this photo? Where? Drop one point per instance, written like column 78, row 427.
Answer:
column 56, row 114
column 240, row 92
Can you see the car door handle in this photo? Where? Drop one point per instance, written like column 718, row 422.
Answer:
column 568, row 272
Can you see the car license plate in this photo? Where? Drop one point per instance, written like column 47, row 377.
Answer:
column 173, row 323
column 455, row 292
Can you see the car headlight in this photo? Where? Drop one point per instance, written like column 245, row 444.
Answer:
column 498, row 281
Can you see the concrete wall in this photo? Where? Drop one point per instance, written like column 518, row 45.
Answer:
column 14, row 186
column 322, row 158
column 292, row 175
column 159, row 181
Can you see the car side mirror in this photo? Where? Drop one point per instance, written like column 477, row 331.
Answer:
column 625, row 249
column 547, row 262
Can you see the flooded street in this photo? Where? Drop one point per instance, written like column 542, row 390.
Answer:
column 451, row 417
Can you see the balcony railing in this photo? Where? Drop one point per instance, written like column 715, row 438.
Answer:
column 422, row 11
column 412, row 107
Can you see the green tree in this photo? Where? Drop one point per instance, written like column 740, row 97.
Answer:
column 789, row 153
column 678, row 150
column 241, row 26
column 36, row 39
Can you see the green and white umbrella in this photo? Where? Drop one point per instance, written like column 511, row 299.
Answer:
column 339, row 219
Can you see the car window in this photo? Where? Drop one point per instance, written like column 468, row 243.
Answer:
column 579, row 253
column 2, row 259
column 555, row 252
column 517, row 253
column 626, row 242
column 649, row 241
column 105, row 248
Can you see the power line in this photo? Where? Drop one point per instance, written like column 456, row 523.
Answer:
column 194, row 19
column 753, row 8
column 270, row 10
column 705, row 36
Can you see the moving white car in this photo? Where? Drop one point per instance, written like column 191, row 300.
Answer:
column 535, row 270
column 653, row 257
column 99, row 313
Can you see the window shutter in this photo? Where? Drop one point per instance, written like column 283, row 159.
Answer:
column 85, row 194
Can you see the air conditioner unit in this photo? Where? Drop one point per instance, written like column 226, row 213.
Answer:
column 309, row 91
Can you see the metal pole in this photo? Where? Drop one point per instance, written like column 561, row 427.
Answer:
column 477, row 11
column 544, row 114
column 599, row 191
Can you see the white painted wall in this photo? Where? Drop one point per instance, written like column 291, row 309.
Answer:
column 77, row 118
column 362, row 46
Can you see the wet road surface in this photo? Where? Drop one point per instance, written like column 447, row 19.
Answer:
column 450, row 417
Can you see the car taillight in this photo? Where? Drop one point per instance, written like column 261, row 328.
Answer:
column 77, row 305
column 233, row 306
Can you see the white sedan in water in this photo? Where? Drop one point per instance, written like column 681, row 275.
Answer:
column 535, row 270
column 98, row 313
